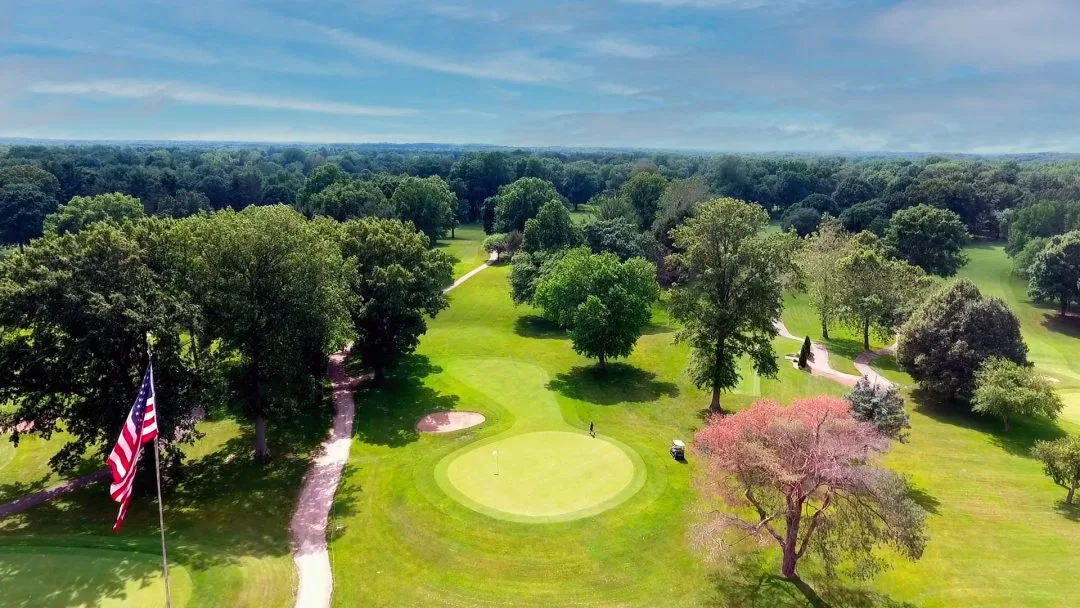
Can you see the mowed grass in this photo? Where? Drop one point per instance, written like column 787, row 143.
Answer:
column 400, row 540
column 1053, row 341
column 466, row 247
column 844, row 343
column 227, row 519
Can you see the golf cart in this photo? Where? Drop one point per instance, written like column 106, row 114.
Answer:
column 678, row 450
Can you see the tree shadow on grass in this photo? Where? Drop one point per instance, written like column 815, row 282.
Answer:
column 1020, row 438
column 534, row 326
column 219, row 509
column 1069, row 512
column 924, row 499
column 620, row 384
column 750, row 581
column 387, row 414
column 1068, row 325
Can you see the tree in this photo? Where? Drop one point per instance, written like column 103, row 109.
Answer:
column 1025, row 259
column 676, row 204
column 804, row 352
column 350, row 199
column 819, row 259
column 735, row 275
column 822, row 203
column 497, row 244
column 806, row 475
column 604, row 303
column 880, row 405
column 520, row 201
column 1061, row 461
column 875, row 292
column 426, row 202
column 580, row 182
column 272, row 289
column 949, row 336
column 870, row 215
column 528, row 270
column 803, row 219
column 182, row 204
column 608, row 207
column 931, row 238
column 32, row 176
column 551, row 230
column 76, row 309
column 620, row 237
column 1007, row 390
column 1055, row 273
column 643, row 192
column 23, row 208
column 82, row 211
column 396, row 281
column 320, row 179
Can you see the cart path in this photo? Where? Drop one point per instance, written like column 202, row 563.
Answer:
column 30, row 500
column 309, row 521
column 819, row 361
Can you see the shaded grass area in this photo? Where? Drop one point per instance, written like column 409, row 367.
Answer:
column 227, row 517
column 844, row 343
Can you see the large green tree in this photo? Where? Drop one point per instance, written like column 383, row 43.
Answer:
column 604, row 303
column 929, row 237
column 620, row 237
column 350, row 199
column 23, row 208
column 272, row 288
column 519, row 201
column 82, row 211
column 551, row 230
column 1054, row 275
column 735, row 275
column 1007, row 390
column 819, row 258
column 949, row 336
column 74, row 313
column 396, row 282
column 874, row 292
column 426, row 202
column 643, row 192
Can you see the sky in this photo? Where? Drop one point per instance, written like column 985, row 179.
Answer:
column 978, row 76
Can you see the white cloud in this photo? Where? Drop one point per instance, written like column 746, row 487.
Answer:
column 612, row 88
column 516, row 66
column 983, row 33
column 620, row 47
column 467, row 13
column 182, row 93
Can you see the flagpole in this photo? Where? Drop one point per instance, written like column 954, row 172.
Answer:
column 160, row 505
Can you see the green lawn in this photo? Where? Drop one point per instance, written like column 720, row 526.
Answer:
column 227, row 518
column 1053, row 341
column 844, row 343
column 466, row 247
column 999, row 534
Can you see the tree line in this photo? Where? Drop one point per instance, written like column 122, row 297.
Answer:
column 243, row 307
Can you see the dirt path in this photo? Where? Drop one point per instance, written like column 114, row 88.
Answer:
column 819, row 361
column 309, row 522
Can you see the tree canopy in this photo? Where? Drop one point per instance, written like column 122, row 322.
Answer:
column 604, row 303
column 1054, row 274
column 551, row 230
column 732, row 291
column 82, row 211
column 520, row 201
column 1007, row 390
column 932, row 239
column 952, row 333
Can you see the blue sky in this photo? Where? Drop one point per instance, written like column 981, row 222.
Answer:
column 743, row 75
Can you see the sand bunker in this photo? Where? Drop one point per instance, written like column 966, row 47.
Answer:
column 445, row 422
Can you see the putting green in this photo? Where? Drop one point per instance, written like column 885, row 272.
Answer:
column 542, row 476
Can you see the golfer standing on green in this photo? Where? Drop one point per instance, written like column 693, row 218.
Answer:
column 592, row 429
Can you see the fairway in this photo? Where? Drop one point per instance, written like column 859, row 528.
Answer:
column 543, row 476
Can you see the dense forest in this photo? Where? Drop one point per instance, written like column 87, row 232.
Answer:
column 349, row 182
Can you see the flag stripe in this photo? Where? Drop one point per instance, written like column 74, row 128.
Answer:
column 139, row 428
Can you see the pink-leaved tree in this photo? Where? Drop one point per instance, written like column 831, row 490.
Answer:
column 803, row 476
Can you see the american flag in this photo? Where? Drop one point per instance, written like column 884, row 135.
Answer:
column 140, row 428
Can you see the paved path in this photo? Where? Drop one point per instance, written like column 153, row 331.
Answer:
column 312, row 514
column 59, row 489
column 819, row 361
